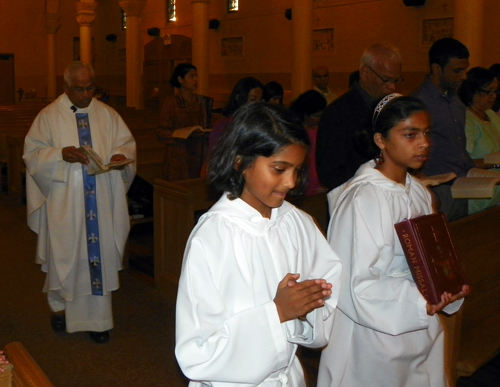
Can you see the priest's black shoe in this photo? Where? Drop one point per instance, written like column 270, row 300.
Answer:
column 58, row 322
column 99, row 337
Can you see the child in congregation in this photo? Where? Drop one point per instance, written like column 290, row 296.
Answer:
column 258, row 277
column 273, row 93
column 3, row 360
column 308, row 107
column 385, row 333
column 246, row 90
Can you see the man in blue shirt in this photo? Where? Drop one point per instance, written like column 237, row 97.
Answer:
column 448, row 61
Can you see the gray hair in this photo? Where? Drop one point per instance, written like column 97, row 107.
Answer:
column 73, row 67
column 378, row 52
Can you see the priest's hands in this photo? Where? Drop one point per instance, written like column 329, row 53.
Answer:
column 71, row 154
column 295, row 299
column 447, row 298
column 116, row 158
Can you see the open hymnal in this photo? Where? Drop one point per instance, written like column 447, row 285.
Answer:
column 96, row 165
column 478, row 184
column 436, row 179
column 184, row 133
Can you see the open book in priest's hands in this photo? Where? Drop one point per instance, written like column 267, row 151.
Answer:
column 97, row 166
column 478, row 184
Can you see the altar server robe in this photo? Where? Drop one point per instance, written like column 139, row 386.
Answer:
column 382, row 335
column 228, row 332
column 55, row 196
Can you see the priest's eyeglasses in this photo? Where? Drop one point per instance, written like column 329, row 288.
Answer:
column 394, row 81
column 79, row 89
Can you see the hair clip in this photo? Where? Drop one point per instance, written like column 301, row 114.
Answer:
column 380, row 106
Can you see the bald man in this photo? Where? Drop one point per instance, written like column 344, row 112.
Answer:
column 345, row 135
column 82, row 220
column 321, row 79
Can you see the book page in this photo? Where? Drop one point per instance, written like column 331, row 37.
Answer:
column 184, row 133
column 479, row 172
column 492, row 158
column 474, row 187
column 436, row 179
column 96, row 166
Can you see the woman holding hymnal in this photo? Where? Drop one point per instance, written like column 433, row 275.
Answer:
column 482, row 126
column 385, row 332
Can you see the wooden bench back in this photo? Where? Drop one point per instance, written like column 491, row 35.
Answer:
column 25, row 372
column 177, row 205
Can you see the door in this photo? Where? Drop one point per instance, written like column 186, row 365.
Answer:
column 7, row 92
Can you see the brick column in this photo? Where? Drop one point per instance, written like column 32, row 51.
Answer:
column 133, row 9
column 468, row 28
column 52, row 25
column 85, row 16
column 200, row 43
column 301, row 46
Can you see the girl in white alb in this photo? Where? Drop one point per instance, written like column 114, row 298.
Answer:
column 258, row 277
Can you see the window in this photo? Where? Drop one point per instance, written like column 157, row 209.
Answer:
column 232, row 5
column 171, row 16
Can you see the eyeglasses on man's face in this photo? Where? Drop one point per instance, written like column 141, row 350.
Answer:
column 81, row 90
column 489, row 92
column 386, row 81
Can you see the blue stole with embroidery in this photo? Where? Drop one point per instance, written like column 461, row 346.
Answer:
column 91, row 219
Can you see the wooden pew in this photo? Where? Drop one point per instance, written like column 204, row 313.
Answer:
column 473, row 334
column 16, row 168
column 25, row 371
column 176, row 207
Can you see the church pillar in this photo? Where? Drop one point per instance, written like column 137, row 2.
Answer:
column 200, row 43
column 85, row 16
column 301, row 46
column 468, row 28
column 52, row 25
column 133, row 10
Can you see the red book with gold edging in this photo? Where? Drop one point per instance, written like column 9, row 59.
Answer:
column 431, row 255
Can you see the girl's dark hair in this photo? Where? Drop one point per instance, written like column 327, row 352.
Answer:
column 308, row 103
column 477, row 78
column 180, row 71
column 239, row 95
column 257, row 129
column 395, row 111
column 272, row 89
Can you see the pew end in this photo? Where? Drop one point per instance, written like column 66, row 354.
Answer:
column 25, row 371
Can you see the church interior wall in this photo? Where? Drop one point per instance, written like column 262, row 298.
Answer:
column 22, row 34
column 266, row 48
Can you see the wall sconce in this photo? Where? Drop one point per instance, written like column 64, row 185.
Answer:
column 154, row 32
column 213, row 24
column 111, row 38
column 288, row 14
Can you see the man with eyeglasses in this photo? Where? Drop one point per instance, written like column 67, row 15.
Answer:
column 321, row 79
column 448, row 61
column 81, row 219
column 345, row 134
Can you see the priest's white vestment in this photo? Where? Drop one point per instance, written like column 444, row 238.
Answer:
column 382, row 335
column 55, row 197
column 228, row 332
